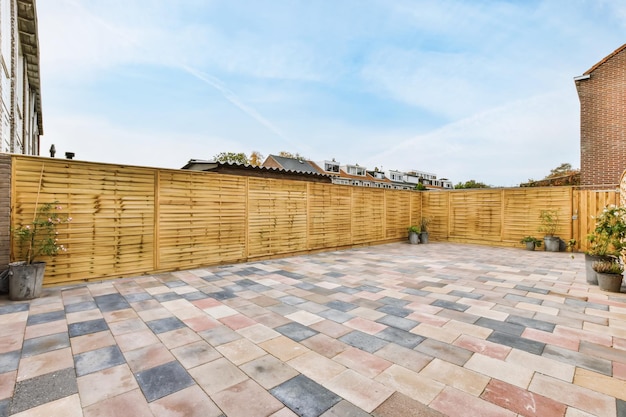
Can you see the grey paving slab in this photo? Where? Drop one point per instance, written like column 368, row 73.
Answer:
column 363, row 341
column 296, row 331
column 42, row 344
column 305, row 397
column 86, row 327
column 517, row 342
column 45, row 317
column 82, row 306
column 111, row 302
column 97, row 360
column 163, row 380
column 9, row 361
column 165, row 324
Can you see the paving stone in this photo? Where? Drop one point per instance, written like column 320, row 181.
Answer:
column 165, row 325
column 450, row 305
column 398, row 322
column 341, row 305
column 9, row 361
column 111, row 302
column 517, row 342
column 222, row 295
column 414, row 291
column 532, row 289
column 4, row 407
column 444, row 351
column 521, row 299
column 363, row 341
column 335, row 315
column 97, row 360
column 581, row 360
column 291, row 300
column 167, row 296
column 14, row 308
column 621, row 408
column 195, row 295
column 296, row 331
column 45, row 317
column 527, row 322
column 400, row 337
column 83, row 306
column 465, row 294
column 392, row 301
column 32, row 392
column 369, row 288
column 305, row 397
column 163, row 380
column 394, row 311
column 87, row 327
column 43, row 344
column 175, row 284
column 345, row 409
column 504, row 327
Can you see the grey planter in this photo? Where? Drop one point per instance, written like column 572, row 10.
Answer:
column 25, row 281
column 591, row 275
column 530, row 245
column 424, row 237
column 610, row 282
column 414, row 238
column 552, row 243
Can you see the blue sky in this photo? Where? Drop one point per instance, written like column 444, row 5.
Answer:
column 470, row 89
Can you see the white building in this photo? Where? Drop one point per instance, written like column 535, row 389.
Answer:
column 20, row 93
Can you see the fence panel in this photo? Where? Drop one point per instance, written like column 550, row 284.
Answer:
column 329, row 216
column 201, row 219
column 590, row 203
column 112, row 210
column 397, row 214
column 277, row 217
column 476, row 215
column 368, row 206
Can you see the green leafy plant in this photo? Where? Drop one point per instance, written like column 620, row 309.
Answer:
column 533, row 239
column 414, row 229
column 609, row 236
column 40, row 236
column 549, row 222
column 608, row 266
column 424, row 223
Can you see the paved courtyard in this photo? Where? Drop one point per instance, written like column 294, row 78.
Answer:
column 395, row 330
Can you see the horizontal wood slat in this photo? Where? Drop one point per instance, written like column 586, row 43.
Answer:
column 134, row 220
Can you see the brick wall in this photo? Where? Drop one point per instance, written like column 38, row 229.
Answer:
column 603, row 121
column 5, row 209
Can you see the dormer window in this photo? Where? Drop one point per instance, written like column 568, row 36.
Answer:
column 356, row 170
column 331, row 166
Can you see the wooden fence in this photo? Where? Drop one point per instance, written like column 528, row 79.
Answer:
column 133, row 220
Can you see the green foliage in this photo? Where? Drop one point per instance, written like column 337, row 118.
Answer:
column 40, row 237
column 231, row 158
column 471, row 184
column 562, row 169
column 414, row 229
column 424, row 223
column 420, row 187
column 296, row 155
column 533, row 239
column 609, row 236
column 549, row 222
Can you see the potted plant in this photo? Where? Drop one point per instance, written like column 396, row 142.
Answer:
column 607, row 241
column 424, row 223
column 38, row 238
column 609, row 274
column 414, row 232
column 531, row 242
column 549, row 225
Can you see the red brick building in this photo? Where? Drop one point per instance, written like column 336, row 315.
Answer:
column 602, row 95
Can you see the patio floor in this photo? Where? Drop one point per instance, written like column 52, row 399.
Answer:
column 392, row 330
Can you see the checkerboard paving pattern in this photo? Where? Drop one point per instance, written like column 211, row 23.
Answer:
column 392, row 330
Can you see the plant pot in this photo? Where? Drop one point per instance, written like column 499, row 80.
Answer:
column 591, row 275
column 424, row 237
column 530, row 245
column 25, row 281
column 552, row 243
column 414, row 238
column 610, row 282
